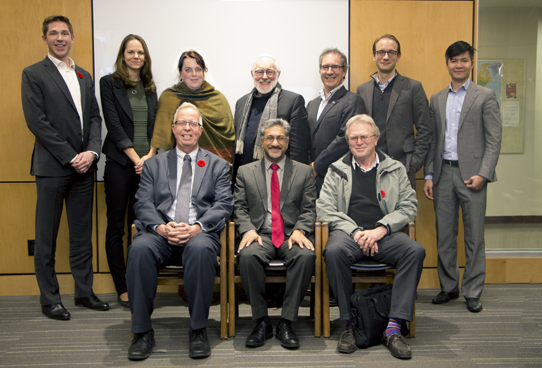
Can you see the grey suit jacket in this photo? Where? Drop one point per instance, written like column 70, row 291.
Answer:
column 297, row 197
column 119, row 118
column 327, row 133
column 479, row 136
column 408, row 107
column 51, row 116
column 211, row 190
column 291, row 107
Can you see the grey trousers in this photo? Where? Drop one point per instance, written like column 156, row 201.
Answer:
column 149, row 252
column 252, row 262
column 450, row 193
column 396, row 249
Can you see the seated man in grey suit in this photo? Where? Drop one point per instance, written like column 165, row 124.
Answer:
column 397, row 104
column 183, row 201
column 268, row 100
column 329, row 112
column 367, row 200
column 275, row 213
column 460, row 163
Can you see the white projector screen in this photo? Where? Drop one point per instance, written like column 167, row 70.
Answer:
column 229, row 34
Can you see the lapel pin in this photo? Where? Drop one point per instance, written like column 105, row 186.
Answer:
column 201, row 163
column 80, row 75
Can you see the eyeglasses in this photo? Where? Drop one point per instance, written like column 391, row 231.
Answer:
column 391, row 53
column 363, row 138
column 271, row 139
column 261, row 72
column 190, row 124
column 335, row 68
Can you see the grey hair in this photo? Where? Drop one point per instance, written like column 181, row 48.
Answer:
column 334, row 50
column 271, row 123
column 186, row 105
column 362, row 118
column 266, row 58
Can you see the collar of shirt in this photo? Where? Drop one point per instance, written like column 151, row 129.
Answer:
column 181, row 154
column 465, row 86
column 381, row 85
column 268, row 163
column 60, row 64
column 355, row 163
column 323, row 93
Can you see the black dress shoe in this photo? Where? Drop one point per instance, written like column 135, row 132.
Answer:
column 55, row 311
column 263, row 331
column 142, row 345
column 444, row 297
column 286, row 335
column 397, row 346
column 125, row 304
column 92, row 302
column 199, row 344
column 474, row 305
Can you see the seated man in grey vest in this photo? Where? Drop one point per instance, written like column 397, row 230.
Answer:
column 367, row 200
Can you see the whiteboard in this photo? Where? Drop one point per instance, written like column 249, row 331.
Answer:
column 229, row 34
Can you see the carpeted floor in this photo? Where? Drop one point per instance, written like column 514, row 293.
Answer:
column 507, row 333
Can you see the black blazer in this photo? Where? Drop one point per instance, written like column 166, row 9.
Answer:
column 51, row 116
column 119, row 119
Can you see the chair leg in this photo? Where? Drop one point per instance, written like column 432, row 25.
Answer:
column 312, row 301
column 412, row 324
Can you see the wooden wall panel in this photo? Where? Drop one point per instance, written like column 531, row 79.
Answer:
column 22, row 20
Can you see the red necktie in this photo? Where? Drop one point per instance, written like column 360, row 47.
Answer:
column 277, row 224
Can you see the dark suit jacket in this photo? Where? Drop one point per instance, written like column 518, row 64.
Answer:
column 119, row 119
column 291, row 107
column 408, row 107
column 211, row 190
column 297, row 197
column 327, row 133
column 51, row 116
column 479, row 135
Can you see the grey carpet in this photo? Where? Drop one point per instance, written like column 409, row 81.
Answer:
column 507, row 333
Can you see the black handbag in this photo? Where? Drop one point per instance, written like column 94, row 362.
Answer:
column 371, row 310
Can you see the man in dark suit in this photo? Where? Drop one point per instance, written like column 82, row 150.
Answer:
column 329, row 112
column 268, row 100
column 181, row 215
column 61, row 111
column 397, row 104
column 275, row 213
column 462, row 160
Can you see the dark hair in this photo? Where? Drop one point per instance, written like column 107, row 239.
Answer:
column 391, row 37
column 145, row 73
column 194, row 55
column 458, row 48
column 56, row 18
column 334, row 50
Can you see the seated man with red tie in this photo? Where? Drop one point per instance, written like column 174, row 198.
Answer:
column 274, row 213
column 183, row 201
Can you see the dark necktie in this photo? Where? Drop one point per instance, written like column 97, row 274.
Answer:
column 277, row 224
column 183, row 194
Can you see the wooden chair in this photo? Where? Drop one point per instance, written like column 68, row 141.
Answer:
column 174, row 275
column 362, row 272
column 275, row 273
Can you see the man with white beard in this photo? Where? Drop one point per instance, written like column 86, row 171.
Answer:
column 268, row 100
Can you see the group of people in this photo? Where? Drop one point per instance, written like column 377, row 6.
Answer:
column 348, row 159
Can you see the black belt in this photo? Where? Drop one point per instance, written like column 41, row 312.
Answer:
column 451, row 163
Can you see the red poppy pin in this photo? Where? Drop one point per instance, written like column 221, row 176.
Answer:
column 201, row 163
column 383, row 193
column 80, row 75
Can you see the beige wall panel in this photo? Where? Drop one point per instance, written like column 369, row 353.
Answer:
column 18, row 224
column 424, row 28
column 22, row 20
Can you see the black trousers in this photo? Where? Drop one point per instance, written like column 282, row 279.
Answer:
column 149, row 252
column 77, row 191
column 121, row 184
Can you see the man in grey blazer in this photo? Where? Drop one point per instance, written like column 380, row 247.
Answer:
column 61, row 111
column 183, row 201
column 274, row 214
column 329, row 112
column 397, row 104
column 460, row 163
column 268, row 100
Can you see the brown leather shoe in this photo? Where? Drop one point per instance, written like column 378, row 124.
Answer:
column 397, row 346
column 347, row 342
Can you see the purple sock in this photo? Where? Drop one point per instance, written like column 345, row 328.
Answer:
column 394, row 326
